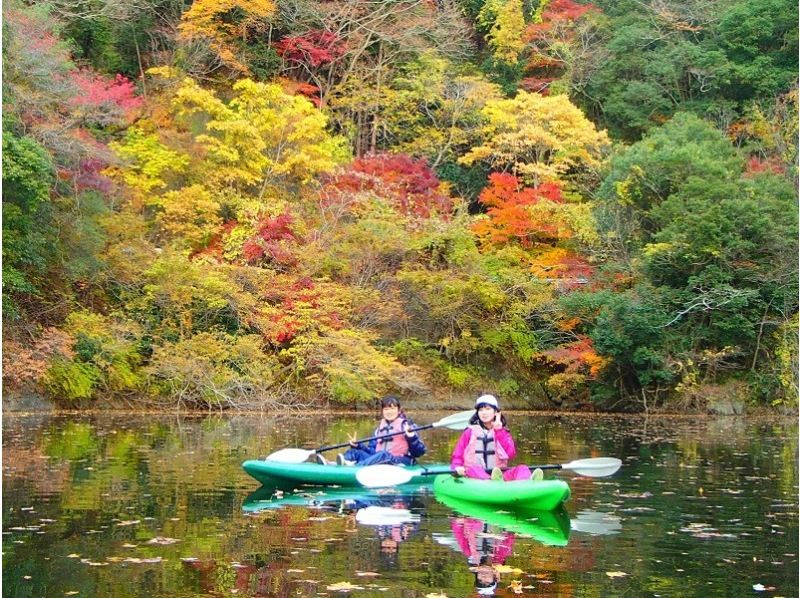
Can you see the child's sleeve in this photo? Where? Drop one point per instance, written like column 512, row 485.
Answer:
column 457, row 459
column 416, row 447
column 504, row 439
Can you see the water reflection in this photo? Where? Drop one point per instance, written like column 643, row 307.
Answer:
column 596, row 523
column 159, row 506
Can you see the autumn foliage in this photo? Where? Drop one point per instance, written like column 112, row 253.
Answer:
column 510, row 212
column 314, row 48
column 220, row 204
column 407, row 183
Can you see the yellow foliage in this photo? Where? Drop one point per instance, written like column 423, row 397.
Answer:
column 505, row 36
column 148, row 161
column 189, row 215
column 215, row 21
column 540, row 138
column 261, row 135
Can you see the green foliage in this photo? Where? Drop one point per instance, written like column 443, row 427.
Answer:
column 27, row 178
column 71, row 381
column 648, row 172
column 628, row 328
column 760, row 40
column 709, row 59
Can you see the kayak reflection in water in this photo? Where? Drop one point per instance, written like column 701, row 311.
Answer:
column 487, row 445
column 403, row 448
column 485, row 547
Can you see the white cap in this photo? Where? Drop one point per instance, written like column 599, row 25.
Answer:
column 486, row 400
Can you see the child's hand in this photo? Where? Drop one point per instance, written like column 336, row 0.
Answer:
column 461, row 471
column 351, row 438
column 498, row 423
column 407, row 429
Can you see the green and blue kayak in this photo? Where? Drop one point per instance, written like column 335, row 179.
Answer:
column 276, row 496
column 544, row 495
column 315, row 474
column 547, row 527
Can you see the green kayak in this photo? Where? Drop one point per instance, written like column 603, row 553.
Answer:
column 548, row 527
column 544, row 495
column 314, row 474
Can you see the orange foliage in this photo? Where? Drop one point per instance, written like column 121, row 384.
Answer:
column 567, row 266
column 510, row 217
column 25, row 366
column 578, row 357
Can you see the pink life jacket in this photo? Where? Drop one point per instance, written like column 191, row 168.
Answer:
column 396, row 445
column 483, row 451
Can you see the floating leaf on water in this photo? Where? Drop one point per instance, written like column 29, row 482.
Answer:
column 163, row 540
column 507, row 569
column 343, row 586
column 131, row 559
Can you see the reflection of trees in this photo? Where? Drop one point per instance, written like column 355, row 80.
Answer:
column 94, row 477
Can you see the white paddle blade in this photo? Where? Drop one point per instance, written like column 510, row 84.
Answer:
column 596, row 523
column 376, row 515
column 289, row 455
column 594, row 468
column 457, row 421
column 379, row 476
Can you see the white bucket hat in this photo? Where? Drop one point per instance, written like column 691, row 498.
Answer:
column 486, row 400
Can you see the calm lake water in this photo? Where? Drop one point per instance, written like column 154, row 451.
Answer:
column 159, row 506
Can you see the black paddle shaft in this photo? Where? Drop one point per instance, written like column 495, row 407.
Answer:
column 322, row 449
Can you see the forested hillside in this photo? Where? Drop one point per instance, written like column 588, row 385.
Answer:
column 251, row 203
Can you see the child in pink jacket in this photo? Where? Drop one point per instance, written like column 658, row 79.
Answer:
column 487, row 445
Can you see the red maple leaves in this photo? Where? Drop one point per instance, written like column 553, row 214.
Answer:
column 407, row 183
column 314, row 48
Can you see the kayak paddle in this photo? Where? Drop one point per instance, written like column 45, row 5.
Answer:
column 456, row 421
column 377, row 476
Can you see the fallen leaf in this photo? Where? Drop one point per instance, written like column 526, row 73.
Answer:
column 162, row 540
column 367, row 574
column 507, row 569
column 616, row 573
column 516, row 586
column 343, row 586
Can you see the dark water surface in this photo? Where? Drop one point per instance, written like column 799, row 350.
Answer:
column 159, row 506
